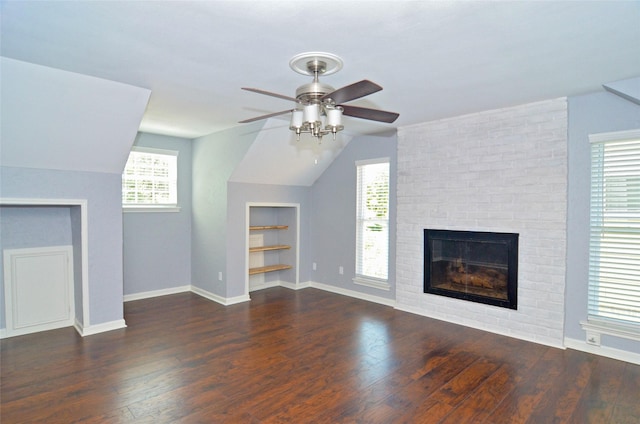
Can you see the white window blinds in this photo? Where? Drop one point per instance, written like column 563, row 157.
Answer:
column 372, row 216
column 614, row 246
column 150, row 178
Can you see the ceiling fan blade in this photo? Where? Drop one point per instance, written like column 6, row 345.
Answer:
column 353, row 91
column 371, row 114
column 268, row 93
column 258, row 118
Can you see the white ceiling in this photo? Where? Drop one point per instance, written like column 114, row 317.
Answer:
column 434, row 59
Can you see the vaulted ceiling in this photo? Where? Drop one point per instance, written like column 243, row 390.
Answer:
column 434, row 58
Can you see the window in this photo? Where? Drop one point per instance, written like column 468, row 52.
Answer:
column 614, row 244
column 372, row 216
column 150, row 178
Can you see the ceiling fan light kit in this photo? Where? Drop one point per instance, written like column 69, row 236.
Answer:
column 318, row 109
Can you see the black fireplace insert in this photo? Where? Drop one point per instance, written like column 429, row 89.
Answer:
column 472, row 265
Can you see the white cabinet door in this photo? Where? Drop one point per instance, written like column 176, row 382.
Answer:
column 38, row 285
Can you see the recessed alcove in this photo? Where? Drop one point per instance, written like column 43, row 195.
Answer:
column 272, row 240
column 74, row 213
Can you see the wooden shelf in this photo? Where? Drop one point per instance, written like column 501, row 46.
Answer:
column 269, row 268
column 268, row 227
column 274, row 247
column 265, row 248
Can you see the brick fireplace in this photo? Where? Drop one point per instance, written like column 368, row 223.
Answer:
column 502, row 171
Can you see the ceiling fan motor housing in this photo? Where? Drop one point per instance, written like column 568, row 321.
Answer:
column 312, row 92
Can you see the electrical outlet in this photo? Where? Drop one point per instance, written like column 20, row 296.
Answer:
column 340, row 270
column 220, row 276
column 593, row 338
column 314, row 266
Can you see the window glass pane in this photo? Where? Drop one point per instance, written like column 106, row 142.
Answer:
column 372, row 220
column 614, row 248
column 150, row 179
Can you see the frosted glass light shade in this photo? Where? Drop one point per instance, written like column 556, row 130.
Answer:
column 311, row 113
column 296, row 119
column 334, row 117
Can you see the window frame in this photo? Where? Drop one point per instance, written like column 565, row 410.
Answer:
column 363, row 279
column 153, row 207
column 597, row 322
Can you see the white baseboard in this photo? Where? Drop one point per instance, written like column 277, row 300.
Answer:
column 156, row 293
column 3, row 333
column 226, row 301
column 353, row 293
column 292, row 286
column 609, row 352
column 99, row 328
column 188, row 288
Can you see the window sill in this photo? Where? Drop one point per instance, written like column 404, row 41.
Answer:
column 605, row 327
column 134, row 209
column 372, row 282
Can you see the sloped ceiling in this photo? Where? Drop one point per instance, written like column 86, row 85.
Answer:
column 276, row 157
column 435, row 59
column 628, row 89
column 54, row 119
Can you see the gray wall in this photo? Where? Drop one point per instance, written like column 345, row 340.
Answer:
column 332, row 230
column 103, row 194
column 588, row 114
column 215, row 156
column 157, row 245
column 239, row 195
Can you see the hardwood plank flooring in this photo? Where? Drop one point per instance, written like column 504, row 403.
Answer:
column 303, row 356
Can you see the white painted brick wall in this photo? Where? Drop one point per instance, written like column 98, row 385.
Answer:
column 502, row 170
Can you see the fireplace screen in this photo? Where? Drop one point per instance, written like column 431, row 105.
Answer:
column 476, row 266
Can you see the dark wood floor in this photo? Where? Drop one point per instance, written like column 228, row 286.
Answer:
column 303, row 357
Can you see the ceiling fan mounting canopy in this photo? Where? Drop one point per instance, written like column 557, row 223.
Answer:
column 316, row 62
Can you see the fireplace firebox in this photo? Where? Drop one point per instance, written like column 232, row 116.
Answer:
column 471, row 265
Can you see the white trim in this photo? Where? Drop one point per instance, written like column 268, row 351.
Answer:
column 226, row 301
column 353, row 293
column 146, row 209
column 84, row 237
column 614, row 136
column 156, row 293
column 336, row 290
column 609, row 352
column 100, row 328
column 292, row 286
column 631, row 332
column 372, row 282
column 373, row 161
column 155, row 151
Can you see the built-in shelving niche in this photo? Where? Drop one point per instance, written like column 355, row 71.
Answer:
column 272, row 245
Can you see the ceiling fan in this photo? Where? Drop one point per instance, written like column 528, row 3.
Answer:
column 319, row 107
